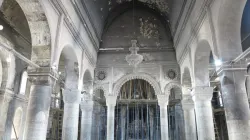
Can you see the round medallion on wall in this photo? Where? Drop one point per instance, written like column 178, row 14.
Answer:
column 171, row 74
column 101, row 75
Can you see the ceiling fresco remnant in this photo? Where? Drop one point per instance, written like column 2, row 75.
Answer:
column 138, row 24
column 102, row 11
column 148, row 29
column 162, row 5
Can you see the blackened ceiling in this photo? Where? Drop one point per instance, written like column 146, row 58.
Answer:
column 140, row 24
column 103, row 12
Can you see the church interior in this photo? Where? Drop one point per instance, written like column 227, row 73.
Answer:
column 124, row 69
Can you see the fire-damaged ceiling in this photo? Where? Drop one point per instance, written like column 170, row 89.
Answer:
column 103, row 12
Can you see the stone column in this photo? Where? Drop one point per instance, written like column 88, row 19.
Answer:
column 151, row 122
column 71, row 98
column 179, row 119
column 163, row 103
column 235, row 102
column 86, row 121
column 202, row 97
column 39, row 104
column 189, row 117
column 111, row 103
column 5, row 97
column 123, row 122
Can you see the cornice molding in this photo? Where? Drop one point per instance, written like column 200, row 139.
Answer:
column 60, row 9
column 183, row 26
column 195, row 29
column 90, row 26
column 179, row 17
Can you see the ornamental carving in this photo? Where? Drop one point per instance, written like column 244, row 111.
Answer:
column 170, row 86
column 142, row 76
column 101, row 75
column 171, row 74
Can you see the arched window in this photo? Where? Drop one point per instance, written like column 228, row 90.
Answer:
column 23, row 83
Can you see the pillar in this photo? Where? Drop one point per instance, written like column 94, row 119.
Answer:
column 110, row 102
column 235, row 101
column 5, row 97
column 123, row 122
column 86, row 120
column 189, row 117
column 151, row 124
column 71, row 98
column 179, row 119
column 163, row 103
column 39, row 104
column 202, row 97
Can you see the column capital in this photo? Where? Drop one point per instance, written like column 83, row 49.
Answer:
column 202, row 93
column 72, row 96
column 111, row 100
column 43, row 76
column 162, row 100
column 187, row 102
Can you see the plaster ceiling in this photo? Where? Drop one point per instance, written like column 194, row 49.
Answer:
column 139, row 24
column 100, row 11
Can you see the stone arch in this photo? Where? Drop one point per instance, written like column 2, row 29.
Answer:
column 87, row 81
column 87, row 76
column 142, row 76
column 228, row 27
column 171, row 86
column 68, row 67
column 8, row 64
column 39, row 31
column 100, row 88
column 186, row 78
column 201, row 63
column 17, row 122
column 97, row 90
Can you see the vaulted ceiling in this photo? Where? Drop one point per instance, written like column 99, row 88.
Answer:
column 102, row 12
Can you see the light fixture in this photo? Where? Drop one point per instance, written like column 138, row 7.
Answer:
column 134, row 59
column 1, row 27
column 218, row 62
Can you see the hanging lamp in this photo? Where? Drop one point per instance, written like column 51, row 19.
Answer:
column 134, row 59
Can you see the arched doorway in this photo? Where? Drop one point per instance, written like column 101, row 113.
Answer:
column 137, row 112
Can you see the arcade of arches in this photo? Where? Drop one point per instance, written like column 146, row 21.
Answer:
column 124, row 69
